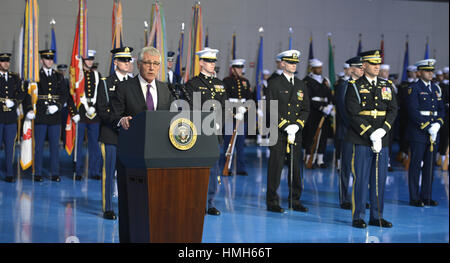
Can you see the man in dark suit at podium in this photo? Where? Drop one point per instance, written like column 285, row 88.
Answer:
column 136, row 95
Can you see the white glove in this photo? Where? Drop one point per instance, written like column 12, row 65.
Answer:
column 377, row 145
column 239, row 116
column 9, row 103
column 217, row 126
column 242, row 110
column 30, row 115
column 90, row 110
column 260, row 112
column 292, row 129
column 291, row 138
column 327, row 110
column 83, row 100
column 76, row 118
column 52, row 109
column 434, row 128
column 433, row 136
column 377, row 134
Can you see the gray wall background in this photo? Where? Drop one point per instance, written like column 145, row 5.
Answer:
column 345, row 19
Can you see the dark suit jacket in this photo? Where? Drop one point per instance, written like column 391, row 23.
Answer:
column 130, row 101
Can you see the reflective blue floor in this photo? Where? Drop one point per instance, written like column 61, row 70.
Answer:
column 70, row 211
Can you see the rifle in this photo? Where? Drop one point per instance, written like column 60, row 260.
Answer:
column 230, row 150
column 309, row 162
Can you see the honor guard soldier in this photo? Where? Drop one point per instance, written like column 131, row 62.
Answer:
column 443, row 142
column 343, row 124
column 293, row 110
column 69, row 105
column 108, row 133
column 12, row 94
column 402, row 156
column 372, row 108
column 384, row 74
column 321, row 106
column 210, row 88
column 426, row 116
column 52, row 94
column 279, row 69
column 238, row 90
column 172, row 78
column 89, row 120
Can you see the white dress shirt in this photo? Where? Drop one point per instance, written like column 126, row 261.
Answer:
column 289, row 78
column 120, row 76
column 153, row 90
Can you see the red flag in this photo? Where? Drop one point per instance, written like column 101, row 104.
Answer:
column 79, row 50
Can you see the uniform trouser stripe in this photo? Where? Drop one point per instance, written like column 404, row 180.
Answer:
column 108, row 152
column 103, row 176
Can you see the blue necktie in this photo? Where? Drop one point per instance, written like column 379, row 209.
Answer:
column 149, row 99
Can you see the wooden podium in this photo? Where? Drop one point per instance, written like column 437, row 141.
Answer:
column 166, row 186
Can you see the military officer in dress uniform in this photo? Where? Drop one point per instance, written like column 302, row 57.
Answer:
column 321, row 105
column 89, row 120
column 210, row 88
column 279, row 69
column 52, row 94
column 12, row 94
column 411, row 71
column 425, row 117
column 343, row 124
column 372, row 108
column 109, row 133
column 293, row 110
column 238, row 90
column 172, row 78
column 384, row 74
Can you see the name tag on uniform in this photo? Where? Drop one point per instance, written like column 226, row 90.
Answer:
column 202, row 88
column 113, row 88
column 423, row 93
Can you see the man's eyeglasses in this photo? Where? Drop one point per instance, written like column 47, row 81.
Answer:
column 150, row 63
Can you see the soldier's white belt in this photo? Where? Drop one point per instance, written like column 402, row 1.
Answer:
column 428, row 113
column 319, row 99
column 373, row 113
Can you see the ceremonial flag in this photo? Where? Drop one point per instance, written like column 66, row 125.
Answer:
column 206, row 38
column 53, row 43
column 405, row 61
column 31, row 75
column 427, row 50
column 233, row 46
column 310, row 55
column 157, row 37
column 179, row 64
column 359, row 45
column 117, row 34
column 290, row 38
column 259, row 66
column 79, row 50
column 331, row 74
column 194, row 43
column 382, row 49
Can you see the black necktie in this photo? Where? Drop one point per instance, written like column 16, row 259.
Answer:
column 292, row 81
column 373, row 83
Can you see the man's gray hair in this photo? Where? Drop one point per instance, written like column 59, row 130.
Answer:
column 149, row 50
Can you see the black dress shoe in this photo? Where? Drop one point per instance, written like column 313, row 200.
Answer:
column 109, row 215
column 417, row 203
column 367, row 206
column 38, row 178
column 359, row 223
column 244, row 173
column 275, row 208
column 429, row 202
column 56, row 178
column 9, row 179
column 381, row 222
column 78, row 177
column 96, row 177
column 346, row 205
column 323, row 165
column 299, row 207
column 213, row 211
column 390, row 169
